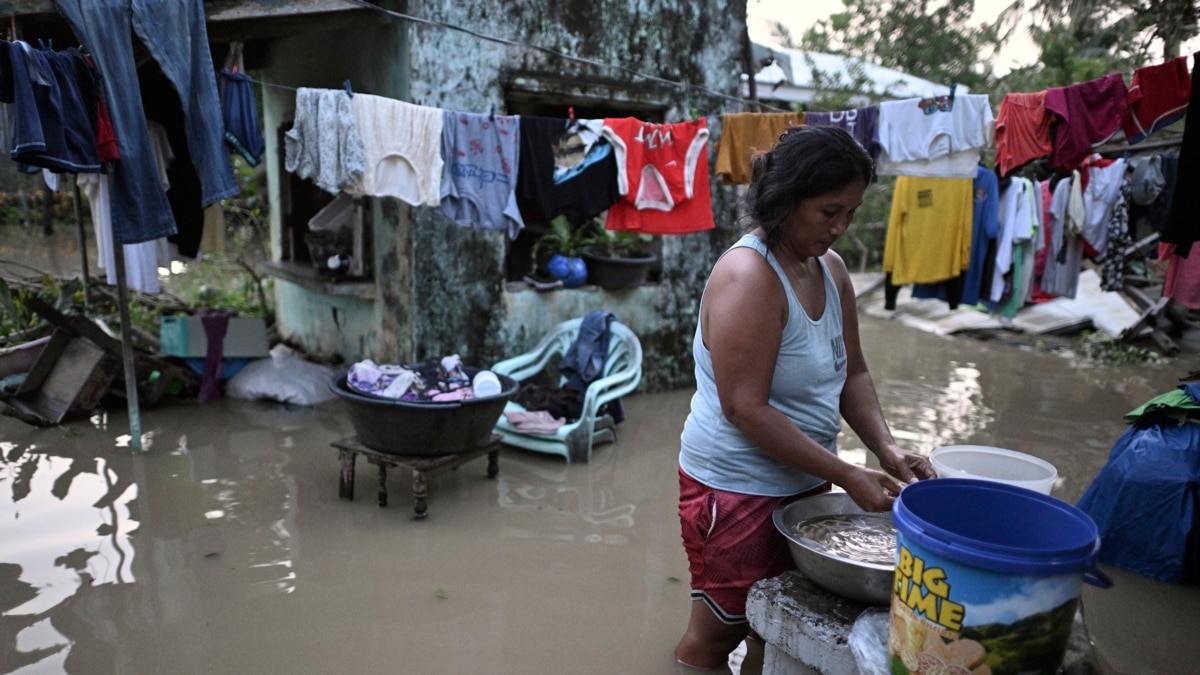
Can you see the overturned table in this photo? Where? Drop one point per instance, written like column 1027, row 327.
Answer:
column 422, row 466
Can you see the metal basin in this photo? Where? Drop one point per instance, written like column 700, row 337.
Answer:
column 863, row 582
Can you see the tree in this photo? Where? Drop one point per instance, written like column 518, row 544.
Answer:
column 934, row 41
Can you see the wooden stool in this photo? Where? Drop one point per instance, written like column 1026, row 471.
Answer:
column 422, row 466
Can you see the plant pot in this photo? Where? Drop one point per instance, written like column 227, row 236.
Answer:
column 614, row 273
column 571, row 271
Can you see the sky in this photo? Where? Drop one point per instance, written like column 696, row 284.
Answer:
column 799, row 16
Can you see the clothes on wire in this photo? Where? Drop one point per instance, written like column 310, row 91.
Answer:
column 1157, row 97
column 402, row 147
column 662, row 175
column 1089, row 113
column 175, row 34
column 323, row 143
column 565, row 168
column 862, row 123
column 479, row 175
column 744, row 135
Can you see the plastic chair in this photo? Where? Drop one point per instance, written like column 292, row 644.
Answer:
column 574, row 440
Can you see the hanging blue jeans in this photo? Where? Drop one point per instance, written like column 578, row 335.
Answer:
column 175, row 34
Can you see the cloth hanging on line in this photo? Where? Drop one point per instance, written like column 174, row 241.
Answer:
column 1182, row 227
column 565, row 168
column 934, row 137
column 479, row 177
column 54, row 107
column 744, row 135
column 862, row 123
column 929, row 229
column 984, row 227
column 402, row 150
column 1157, row 97
column 1088, row 114
column 175, row 33
column 323, row 143
column 1022, row 130
column 662, row 174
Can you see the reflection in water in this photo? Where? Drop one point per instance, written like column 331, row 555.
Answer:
column 67, row 524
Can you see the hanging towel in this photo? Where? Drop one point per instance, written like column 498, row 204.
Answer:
column 324, row 143
column 403, row 150
column 744, row 135
column 479, row 178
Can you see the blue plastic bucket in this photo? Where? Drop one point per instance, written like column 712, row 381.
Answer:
column 987, row 577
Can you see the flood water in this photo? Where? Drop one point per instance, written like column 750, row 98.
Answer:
column 224, row 546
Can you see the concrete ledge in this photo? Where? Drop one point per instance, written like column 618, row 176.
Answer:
column 805, row 627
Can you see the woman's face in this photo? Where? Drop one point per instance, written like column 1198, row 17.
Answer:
column 819, row 221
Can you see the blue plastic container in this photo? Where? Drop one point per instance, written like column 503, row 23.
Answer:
column 986, row 573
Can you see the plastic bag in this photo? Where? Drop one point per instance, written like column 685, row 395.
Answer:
column 869, row 639
column 284, row 377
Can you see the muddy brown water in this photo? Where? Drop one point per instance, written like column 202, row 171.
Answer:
column 224, row 547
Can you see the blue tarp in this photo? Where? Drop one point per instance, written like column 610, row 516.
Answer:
column 1146, row 499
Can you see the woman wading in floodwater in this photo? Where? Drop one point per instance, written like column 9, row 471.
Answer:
column 778, row 364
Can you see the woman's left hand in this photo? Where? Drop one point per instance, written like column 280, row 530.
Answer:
column 909, row 468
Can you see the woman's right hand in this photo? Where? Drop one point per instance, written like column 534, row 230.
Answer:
column 871, row 489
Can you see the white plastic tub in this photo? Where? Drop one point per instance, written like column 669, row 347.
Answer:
column 995, row 464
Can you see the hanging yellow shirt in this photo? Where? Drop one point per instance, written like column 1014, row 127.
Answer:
column 929, row 231
column 744, row 135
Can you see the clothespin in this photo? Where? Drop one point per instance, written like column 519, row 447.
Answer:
column 346, row 86
column 492, row 116
column 571, row 116
column 695, row 115
column 952, row 88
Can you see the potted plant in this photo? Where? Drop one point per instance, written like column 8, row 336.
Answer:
column 619, row 259
column 559, row 252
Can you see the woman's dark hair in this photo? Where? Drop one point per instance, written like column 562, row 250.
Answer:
column 808, row 161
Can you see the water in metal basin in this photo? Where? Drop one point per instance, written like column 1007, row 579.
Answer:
column 863, row 538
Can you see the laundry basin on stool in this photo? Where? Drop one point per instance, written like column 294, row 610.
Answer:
column 418, row 428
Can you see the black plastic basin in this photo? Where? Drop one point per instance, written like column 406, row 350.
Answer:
column 415, row 428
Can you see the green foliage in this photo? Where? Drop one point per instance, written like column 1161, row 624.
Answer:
column 1100, row 347
column 931, row 41
column 15, row 314
column 624, row 244
column 566, row 239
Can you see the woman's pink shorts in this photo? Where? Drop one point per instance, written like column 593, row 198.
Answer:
column 731, row 542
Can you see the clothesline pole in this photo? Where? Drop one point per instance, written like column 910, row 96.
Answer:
column 131, row 394
column 83, row 257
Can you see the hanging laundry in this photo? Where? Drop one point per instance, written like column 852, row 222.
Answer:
column 1158, row 96
column 934, row 137
column 984, row 228
column 174, row 32
column 1159, row 210
column 1087, row 114
column 1022, row 130
column 1012, row 275
column 1183, row 276
column 744, row 135
column 1060, row 276
column 54, row 107
column 479, row 178
column 323, row 143
column 1045, row 246
column 106, row 139
column 662, row 175
column 1182, row 226
column 168, row 133
column 141, row 259
column 6, row 121
column 929, row 230
column 239, row 112
column 403, row 150
column 565, row 168
column 862, row 123
column 1105, row 178
column 1113, row 260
